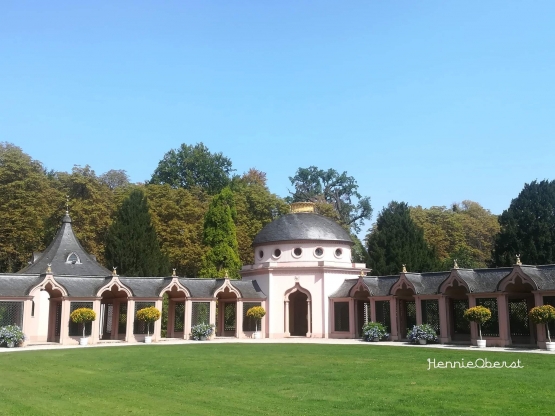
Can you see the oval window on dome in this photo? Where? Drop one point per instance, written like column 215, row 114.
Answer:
column 319, row 252
column 277, row 253
column 338, row 252
column 260, row 254
column 297, row 252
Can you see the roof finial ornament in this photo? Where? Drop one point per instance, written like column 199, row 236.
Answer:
column 226, row 275
column 49, row 268
column 67, row 204
column 404, row 268
column 174, row 274
column 114, row 273
column 362, row 274
column 455, row 264
column 518, row 262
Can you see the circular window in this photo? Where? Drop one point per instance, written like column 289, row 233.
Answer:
column 260, row 254
column 319, row 252
column 297, row 252
column 277, row 253
column 338, row 252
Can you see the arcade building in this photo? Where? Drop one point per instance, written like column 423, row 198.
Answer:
column 302, row 275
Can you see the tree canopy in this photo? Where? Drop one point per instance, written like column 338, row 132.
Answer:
column 396, row 240
column 338, row 191
column 131, row 244
column 193, row 166
column 528, row 227
column 220, row 238
column 465, row 232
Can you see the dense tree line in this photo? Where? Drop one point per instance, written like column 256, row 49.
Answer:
column 203, row 218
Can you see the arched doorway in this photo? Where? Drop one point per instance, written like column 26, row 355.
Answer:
column 520, row 301
column 457, row 304
column 47, row 308
column 113, row 313
column 298, row 313
column 362, row 310
column 226, row 313
column 406, row 309
column 176, row 297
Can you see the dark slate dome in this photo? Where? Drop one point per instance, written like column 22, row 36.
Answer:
column 302, row 226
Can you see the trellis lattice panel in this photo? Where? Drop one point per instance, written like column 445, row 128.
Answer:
column 461, row 325
column 179, row 317
column 491, row 327
column 122, row 320
column 410, row 314
column 140, row 327
column 341, row 312
column 11, row 313
column 230, row 310
column 200, row 313
column 383, row 314
column 430, row 313
column 250, row 324
column 518, row 317
column 77, row 329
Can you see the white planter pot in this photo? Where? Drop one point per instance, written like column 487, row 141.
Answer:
column 203, row 338
column 257, row 335
column 481, row 343
column 422, row 341
column 10, row 344
column 550, row 346
column 148, row 340
column 84, row 341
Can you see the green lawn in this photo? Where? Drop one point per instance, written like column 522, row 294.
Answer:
column 270, row 379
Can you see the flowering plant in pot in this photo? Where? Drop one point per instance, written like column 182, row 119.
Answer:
column 544, row 315
column 374, row 331
column 256, row 313
column 480, row 315
column 11, row 336
column 148, row 315
column 422, row 334
column 201, row 332
column 83, row 316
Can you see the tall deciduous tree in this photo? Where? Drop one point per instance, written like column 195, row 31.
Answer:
column 465, row 231
column 256, row 206
column 220, row 238
column 528, row 227
column 339, row 191
column 396, row 240
column 24, row 206
column 178, row 217
column 131, row 244
column 193, row 166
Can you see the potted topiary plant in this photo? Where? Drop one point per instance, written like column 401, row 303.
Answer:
column 374, row 331
column 83, row 316
column 148, row 315
column 544, row 315
column 201, row 332
column 11, row 336
column 480, row 315
column 256, row 313
column 422, row 334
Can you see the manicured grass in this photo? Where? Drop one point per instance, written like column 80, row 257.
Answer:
column 270, row 379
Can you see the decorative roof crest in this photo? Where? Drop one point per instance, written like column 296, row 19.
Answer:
column 455, row 264
column 114, row 273
column 49, row 268
column 518, row 262
column 297, row 207
column 174, row 274
column 404, row 268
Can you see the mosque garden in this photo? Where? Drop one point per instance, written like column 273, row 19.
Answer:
column 285, row 338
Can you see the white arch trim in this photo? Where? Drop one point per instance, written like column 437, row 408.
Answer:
column 297, row 288
column 450, row 282
column 177, row 284
column 49, row 279
column 511, row 279
column 227, row 284
column 114, row 282
column 402, row 283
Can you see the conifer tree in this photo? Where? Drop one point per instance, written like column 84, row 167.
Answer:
column 396, row 240
column 132, row 245
column 220, row 238
column 528, row 227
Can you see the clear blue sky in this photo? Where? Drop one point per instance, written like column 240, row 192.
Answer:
column 428, row 102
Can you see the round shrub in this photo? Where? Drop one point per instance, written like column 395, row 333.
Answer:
column 373, row 330
column 424, row 331
column 82, row 316
column 478, row 314
column 201, row 331
column 543, row 315
column 256, row 312
column 148, row 315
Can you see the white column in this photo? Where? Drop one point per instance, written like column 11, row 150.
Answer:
column 129, row 336
column 308, row 317
column 286, row 332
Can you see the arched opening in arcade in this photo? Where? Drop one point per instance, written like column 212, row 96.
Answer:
column 457, row 304
column 226, row 313
column 362, row 309
column 520, row 301
column 406, row 305
column 298, row 313
column 113, row 313
column 175, row 298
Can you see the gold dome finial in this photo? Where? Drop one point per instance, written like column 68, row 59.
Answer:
column 518, row 262
column 404, row 268
column 67, row 204
column 302, row 207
